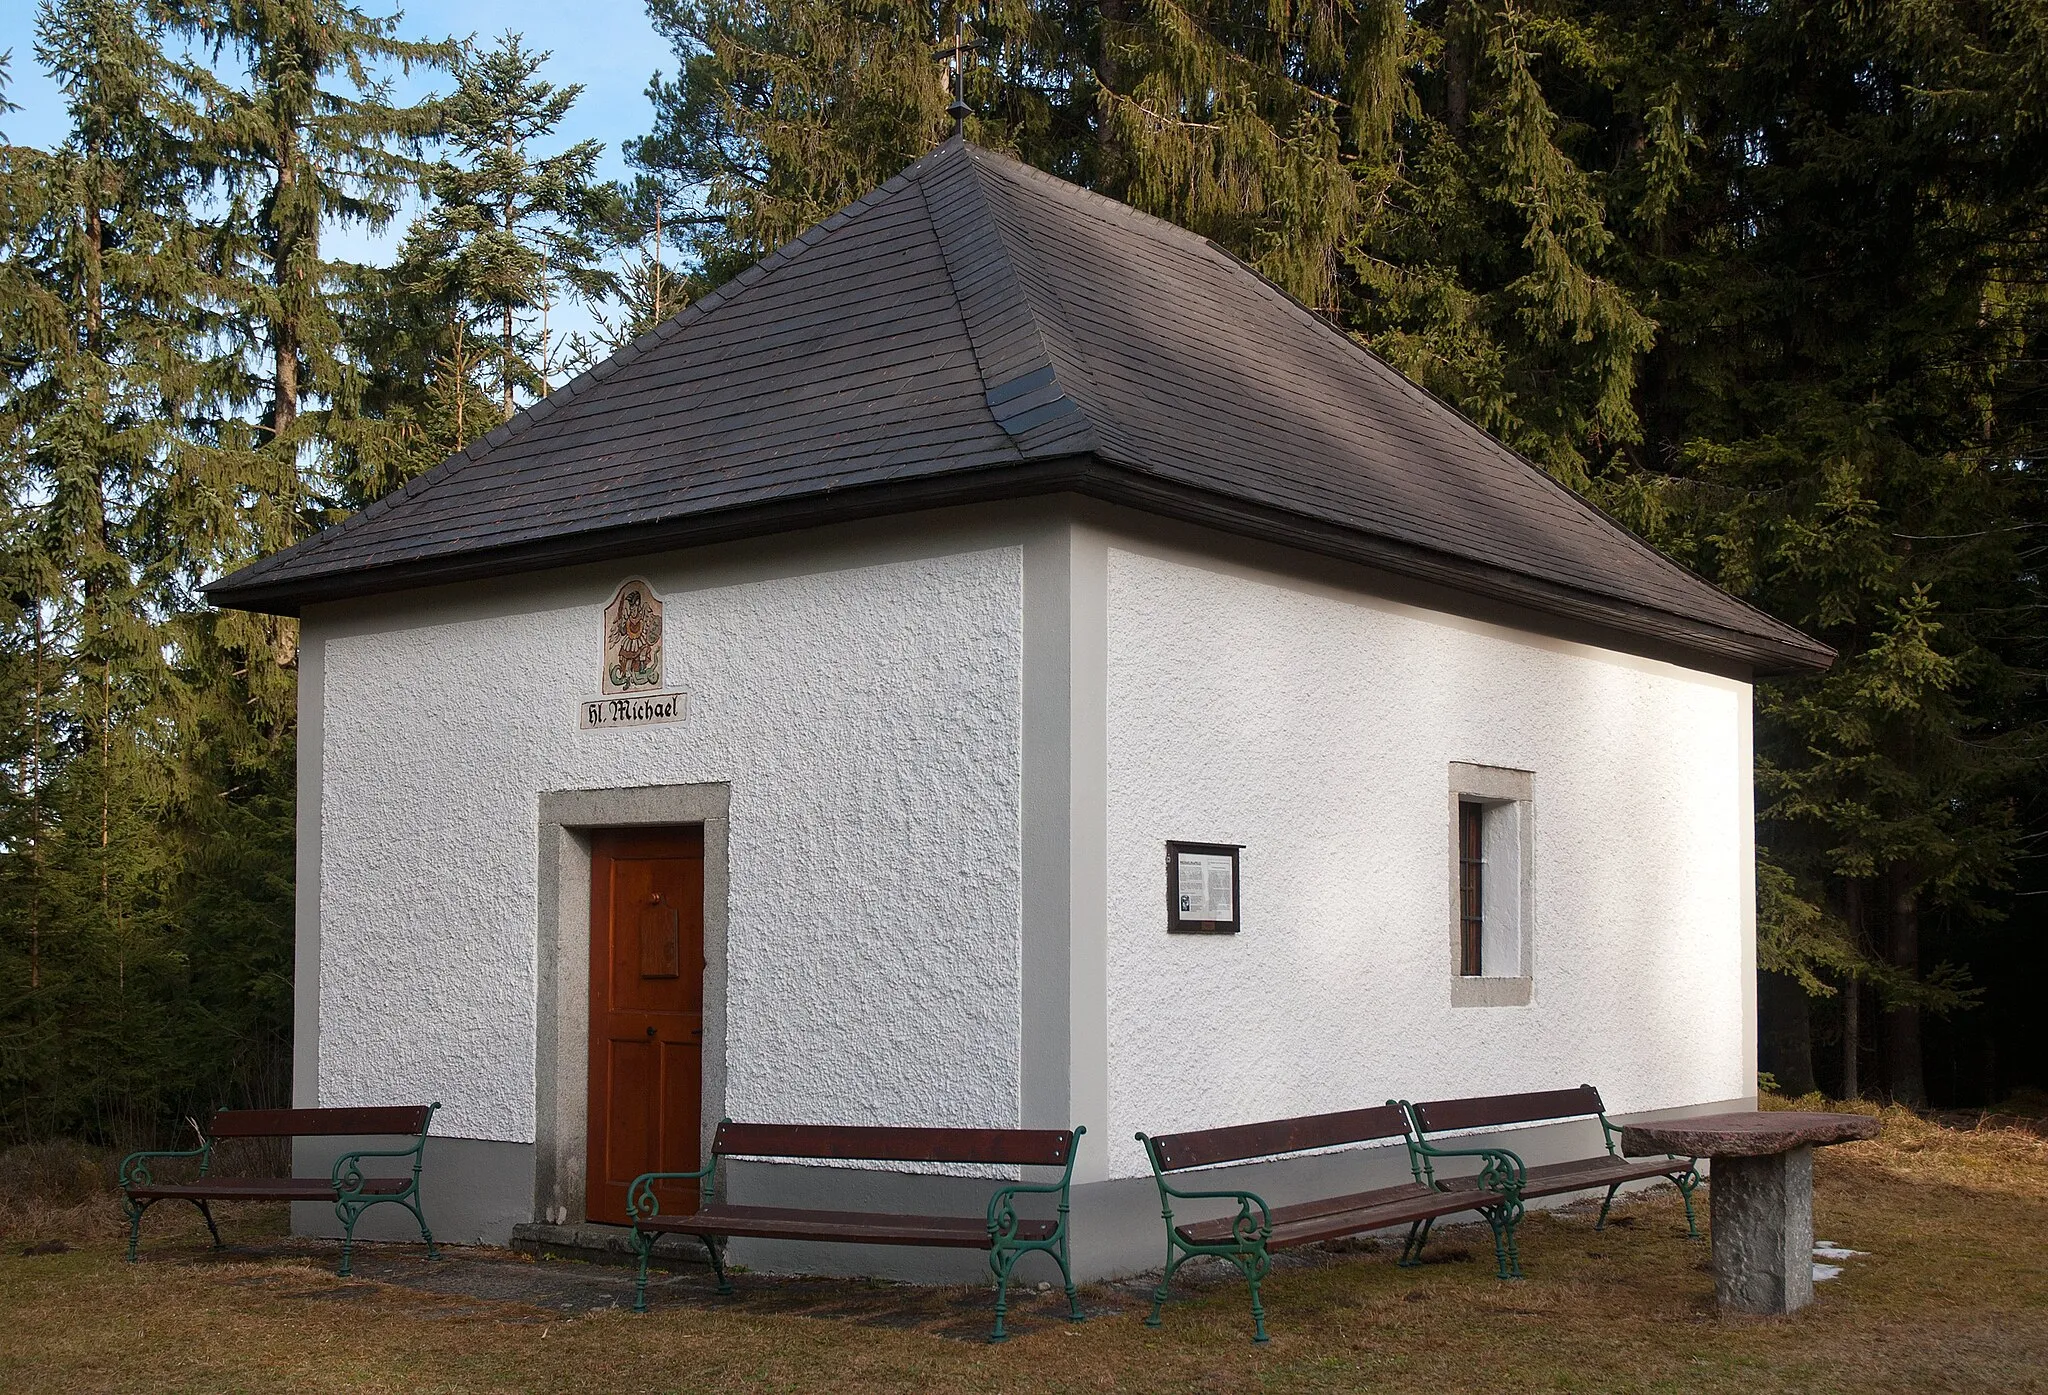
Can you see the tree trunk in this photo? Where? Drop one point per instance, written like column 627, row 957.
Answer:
column 1852, row 1036
column 1785, row 1048
column 1109, row 172
column 1458, row 45
column 506, row 349
column 284, row 402
column 461, row 377
column 1903, row 1065
column 510, row 216
column 1852, row 995
column 34, row 764
column 285, row 271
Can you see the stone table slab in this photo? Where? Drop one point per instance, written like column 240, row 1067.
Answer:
column 1750, row 1133
column 1761, row 1195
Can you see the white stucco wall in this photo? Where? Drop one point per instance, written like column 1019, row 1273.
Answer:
column 868, row 721
column 1316, row 727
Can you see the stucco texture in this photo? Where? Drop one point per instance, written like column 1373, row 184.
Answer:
column 868, row 721
column 1317, row 729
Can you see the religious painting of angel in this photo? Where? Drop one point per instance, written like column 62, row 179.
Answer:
column 632, row 639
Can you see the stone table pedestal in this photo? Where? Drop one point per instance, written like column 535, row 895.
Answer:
column 1760, row 1193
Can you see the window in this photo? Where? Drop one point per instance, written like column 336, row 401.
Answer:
column 1471, row 886
column 1491, row 890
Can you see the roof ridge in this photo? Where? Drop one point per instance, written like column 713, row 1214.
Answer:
column 975, row 328
column 1025, row 379
column 1402, row 382
column 1111, row 209
column 533, row 414
column 1007, row 163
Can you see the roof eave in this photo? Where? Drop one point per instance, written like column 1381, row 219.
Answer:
column 1088, row 476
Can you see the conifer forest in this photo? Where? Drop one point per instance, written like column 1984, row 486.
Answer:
column 1765, row 279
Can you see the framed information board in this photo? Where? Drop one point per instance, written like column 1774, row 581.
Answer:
column 1201, row 888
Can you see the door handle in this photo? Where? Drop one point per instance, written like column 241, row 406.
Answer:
column 650, row 1031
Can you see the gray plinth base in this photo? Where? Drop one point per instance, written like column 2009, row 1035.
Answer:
column 604, row 1244
column 1763, row 1232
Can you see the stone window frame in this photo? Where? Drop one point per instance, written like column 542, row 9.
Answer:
column 1493, row 784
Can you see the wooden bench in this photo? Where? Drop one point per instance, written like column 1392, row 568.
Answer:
column 1610, row 1169
column 1249, row 1237
column 1006, row 1236
column 346, row 1187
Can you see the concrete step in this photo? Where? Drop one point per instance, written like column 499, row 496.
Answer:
column 592, row 1243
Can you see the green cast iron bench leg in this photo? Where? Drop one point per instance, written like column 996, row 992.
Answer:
column 135, row 1210
column 1256, row 1267
column 1173, row 1262
column 643, row 1245
column 1002, row 1262
column 1411, row 1251
column 349, row 1212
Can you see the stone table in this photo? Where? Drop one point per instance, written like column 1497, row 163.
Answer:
column 1761, row 1195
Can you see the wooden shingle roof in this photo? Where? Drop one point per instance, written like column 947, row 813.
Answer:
column 976, row 330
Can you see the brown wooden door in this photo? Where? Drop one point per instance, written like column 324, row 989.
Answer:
column 646, row 1014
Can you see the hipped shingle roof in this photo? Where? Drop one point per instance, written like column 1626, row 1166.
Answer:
column 977, row 330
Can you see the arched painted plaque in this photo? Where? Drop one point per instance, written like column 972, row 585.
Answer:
column 632, row 640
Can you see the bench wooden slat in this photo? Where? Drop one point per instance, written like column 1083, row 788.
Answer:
column 1492, row 1111
column 715, row 1220
column 1314, row 1222
column 1249, row 1236
column 319, row 1123
column 1583, row 1174
column 1355, row 1201
column 1238, row 1142
column 856, row 1143
column 263, row 1189
column 851, row 1227
column 141, row 1191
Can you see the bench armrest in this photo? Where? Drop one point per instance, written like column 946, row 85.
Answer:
column 1247, row 1227
column 641, row 1202
column 135, row 1170
column 1500, row 1170
column 347, row 1174
column 1002, row 1215
column 1254, row 1219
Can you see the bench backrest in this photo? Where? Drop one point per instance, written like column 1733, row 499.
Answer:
column 409, row 1119
column 1243, row 1142
column 857, row 1143
column 1491, row 1111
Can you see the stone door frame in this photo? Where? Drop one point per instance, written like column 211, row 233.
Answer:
column 562, row 1016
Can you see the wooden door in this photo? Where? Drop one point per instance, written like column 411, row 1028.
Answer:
column 646, row 1014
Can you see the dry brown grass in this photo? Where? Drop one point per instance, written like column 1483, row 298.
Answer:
column 1952, row 1296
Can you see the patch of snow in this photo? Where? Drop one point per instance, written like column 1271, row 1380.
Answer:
column 1828, row 1249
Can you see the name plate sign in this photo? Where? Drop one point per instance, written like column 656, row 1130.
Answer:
column 638, row 710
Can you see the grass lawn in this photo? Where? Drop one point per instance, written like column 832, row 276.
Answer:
column 1952, row 1295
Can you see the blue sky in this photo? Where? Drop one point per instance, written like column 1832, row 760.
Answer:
column 607, row 45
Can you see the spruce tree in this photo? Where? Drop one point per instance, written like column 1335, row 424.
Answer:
column 303, row 137
column 299, row 134
column 99, row 360
column 1764, row 281
column 784, row 110
column 511, row 231
column 1400, row 168
column 1845, row 418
